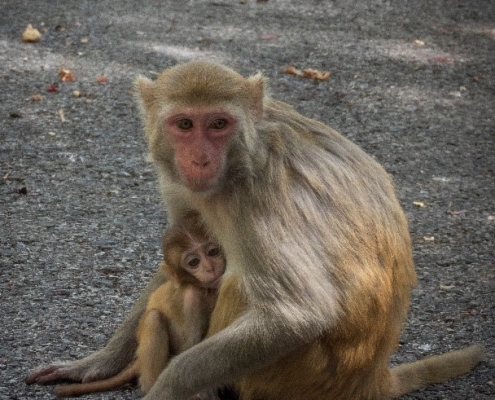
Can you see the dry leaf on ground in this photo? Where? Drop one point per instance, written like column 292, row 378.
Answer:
column 61, row 114
column 31, row 35
column 52, row 88
column 309, row 73
column 66, row 76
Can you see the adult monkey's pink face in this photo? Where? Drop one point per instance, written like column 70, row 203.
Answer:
column 195, row 116
column 200, row 138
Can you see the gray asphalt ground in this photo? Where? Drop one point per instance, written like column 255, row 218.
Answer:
column 412, row 82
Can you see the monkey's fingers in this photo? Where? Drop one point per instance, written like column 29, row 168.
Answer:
column 67, row 371
column 48, row 374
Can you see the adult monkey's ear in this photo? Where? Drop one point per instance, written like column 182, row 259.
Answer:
column 256, row 94
column 144, row 93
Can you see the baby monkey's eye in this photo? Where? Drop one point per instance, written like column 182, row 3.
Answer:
column 219, row 123
column 193, row 263
column 184, row 124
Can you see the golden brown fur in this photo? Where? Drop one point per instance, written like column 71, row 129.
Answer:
column 309, row 373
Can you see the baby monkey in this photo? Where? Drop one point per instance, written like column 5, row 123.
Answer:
column 178, row 312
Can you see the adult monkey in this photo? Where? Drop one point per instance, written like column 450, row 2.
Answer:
column 317, row 245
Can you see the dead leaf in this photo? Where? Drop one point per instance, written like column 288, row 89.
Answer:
column 309, row 73
column 291, row 70
column 36, row 97
column 52, row 88
column 62, row 116
column 102, row 79
column 315, row 74
column 31, row 35
column 66, row 76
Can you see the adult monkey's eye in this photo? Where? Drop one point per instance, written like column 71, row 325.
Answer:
column 219, row 123
column 184, row 124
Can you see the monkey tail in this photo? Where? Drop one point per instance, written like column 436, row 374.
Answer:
column 413, row 376
column 114, row 382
